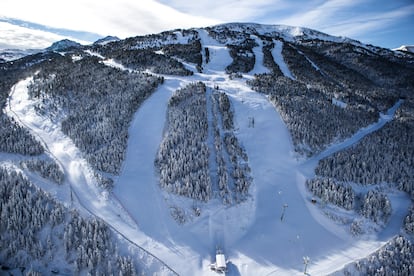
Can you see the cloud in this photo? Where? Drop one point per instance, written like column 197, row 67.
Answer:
column 316, row 15
column 227, row 10
column 17, row 37
column 352, row 18
column 369, row 22
column 85, row 36
column 122, row 18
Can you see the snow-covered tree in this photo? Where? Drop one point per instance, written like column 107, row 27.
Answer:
column 233, row 171
column 47, row 169
column 183, row 156
column 394, row 258
column 329, row 190
column 409, row 221
column 94, row 104
column 36, row 232
column 376, row 206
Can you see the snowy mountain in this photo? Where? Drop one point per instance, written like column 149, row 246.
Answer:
column 106, row 40
column 13, row 54
column 406, row 48
column 62, row 45
column 287, row 149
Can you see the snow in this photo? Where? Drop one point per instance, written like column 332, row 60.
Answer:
column 292, row 33
column 405, row 48
column 339, row 103
column 95, row 54
column 76, row 58
column 80, row 182
column 180, row 38
column 311, row 62
column 175, row 37
column 246, row 232
column 62, row 45
column 384, row 118
column 269, row 233
column 288, row 33
column 106, row 40
column 219, row 55
column 278, row 58
column 112, row 63
column 259, row 67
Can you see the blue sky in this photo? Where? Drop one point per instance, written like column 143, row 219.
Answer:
column 383, row 23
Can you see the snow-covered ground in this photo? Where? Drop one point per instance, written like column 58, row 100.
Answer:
column 259, row 67
column 270, row 233
column 278, row 58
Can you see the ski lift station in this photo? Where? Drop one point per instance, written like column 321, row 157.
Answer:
column 220, row 265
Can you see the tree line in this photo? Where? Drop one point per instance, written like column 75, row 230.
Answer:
column 36, row 232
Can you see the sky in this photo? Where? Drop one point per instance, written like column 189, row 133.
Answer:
column 36, row 24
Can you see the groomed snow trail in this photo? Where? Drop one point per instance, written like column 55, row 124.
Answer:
column 360, row 134
column 259, row 67
column 138, row 190
column 278, row 58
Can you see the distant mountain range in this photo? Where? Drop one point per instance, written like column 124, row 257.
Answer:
column 13, row 54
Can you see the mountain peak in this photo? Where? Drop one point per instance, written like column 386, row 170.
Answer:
column 106, row 40
column 63, row 45
column 405, row 48
column 287, row 32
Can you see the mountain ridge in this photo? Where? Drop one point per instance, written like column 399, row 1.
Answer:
column 291, row 32
column 405, row 48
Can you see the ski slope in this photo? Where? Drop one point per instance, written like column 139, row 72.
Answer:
column 278, row 58
column 80, row 186
column 259, row 67
column 245, row 232
column 269, row 234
